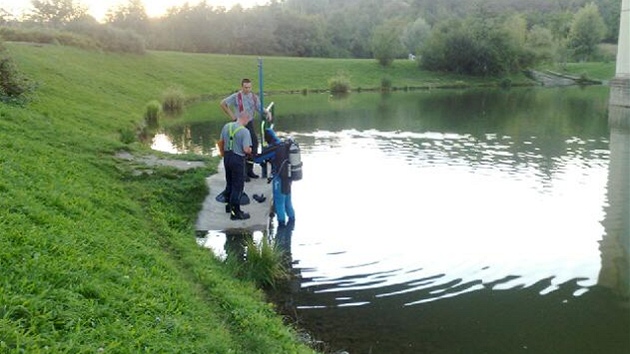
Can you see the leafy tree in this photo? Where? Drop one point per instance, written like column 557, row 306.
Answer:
column 343, row 28
column 559, row 23
column 249, row 31
column 308, row 7
column 199, row 28
column 540, row 44
column 132, row 16
column 300, row 35
column 476, row 47
column 587, row 31
column 349, row 26
column 513, row 54
column 415, row 34
column 386, row 44
column 171, row 32
column 56, row 12
column 5, row 16
column 610, row 11
column 515, row 27
column 433, row 52
column 340, row 35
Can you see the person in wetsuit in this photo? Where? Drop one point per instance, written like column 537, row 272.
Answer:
column 277, row 152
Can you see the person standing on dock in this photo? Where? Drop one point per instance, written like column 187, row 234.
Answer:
column 238, row 144
column 277, row 152
column 244, row 102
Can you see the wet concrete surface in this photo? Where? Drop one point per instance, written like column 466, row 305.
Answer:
column 213, row 216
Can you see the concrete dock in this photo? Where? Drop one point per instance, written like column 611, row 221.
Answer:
column 213, row 217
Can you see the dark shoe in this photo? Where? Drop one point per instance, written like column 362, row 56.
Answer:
column 227, row 208
column 259, row 198
column 238, row 214
column 252, row 175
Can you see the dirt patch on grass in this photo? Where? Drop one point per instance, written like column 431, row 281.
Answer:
column 147, row 162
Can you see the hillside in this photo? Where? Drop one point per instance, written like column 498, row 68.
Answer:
column 95, row 257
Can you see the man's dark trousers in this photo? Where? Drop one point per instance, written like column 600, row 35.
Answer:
column 234, row 177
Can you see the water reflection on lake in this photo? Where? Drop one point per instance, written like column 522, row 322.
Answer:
column 454, row 221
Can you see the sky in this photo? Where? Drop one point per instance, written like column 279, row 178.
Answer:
column 155, row 8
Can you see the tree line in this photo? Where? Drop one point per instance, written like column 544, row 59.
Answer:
column 478, row 37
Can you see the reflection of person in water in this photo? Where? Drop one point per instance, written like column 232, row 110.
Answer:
column 283, row 242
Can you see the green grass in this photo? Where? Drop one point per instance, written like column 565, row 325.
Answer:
column 95, row 256
column 591, row 70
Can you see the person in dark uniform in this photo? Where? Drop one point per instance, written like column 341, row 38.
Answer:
column 238, row 144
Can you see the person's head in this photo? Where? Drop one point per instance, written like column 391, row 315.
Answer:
column 246, row 85
column 243, row 118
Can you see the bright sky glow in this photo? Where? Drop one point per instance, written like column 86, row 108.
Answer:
column 155, row 8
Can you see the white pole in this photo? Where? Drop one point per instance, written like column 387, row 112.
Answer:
column 623, row 49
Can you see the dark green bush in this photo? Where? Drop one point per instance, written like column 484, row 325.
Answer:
column 386, row 84
column 14, row 87
column 339, row 84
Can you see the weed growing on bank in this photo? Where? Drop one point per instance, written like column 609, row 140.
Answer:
column 152, row 114
column 260, row 262
column 173, row 100
column 15, row 88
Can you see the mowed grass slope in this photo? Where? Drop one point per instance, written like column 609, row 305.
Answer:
column 92, row 257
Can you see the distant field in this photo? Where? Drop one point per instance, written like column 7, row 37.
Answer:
column 218, row 74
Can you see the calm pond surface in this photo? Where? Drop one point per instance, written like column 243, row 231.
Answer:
column 475, row 221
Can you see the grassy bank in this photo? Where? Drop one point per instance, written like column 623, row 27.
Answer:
column 96, row 257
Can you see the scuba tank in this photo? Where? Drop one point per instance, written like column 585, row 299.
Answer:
column 295, row 161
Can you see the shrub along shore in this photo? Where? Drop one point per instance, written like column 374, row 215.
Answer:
column 97, row 257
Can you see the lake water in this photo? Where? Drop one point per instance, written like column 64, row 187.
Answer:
column 473, row 221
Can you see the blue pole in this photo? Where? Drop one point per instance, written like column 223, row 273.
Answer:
column 263, row 118
column 260, row 80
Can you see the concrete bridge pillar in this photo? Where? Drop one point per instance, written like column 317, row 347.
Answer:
column 615, row 245
column 620, row 85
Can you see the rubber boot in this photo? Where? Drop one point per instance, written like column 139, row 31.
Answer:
column 250, row 170
column 238, row 214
